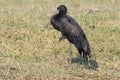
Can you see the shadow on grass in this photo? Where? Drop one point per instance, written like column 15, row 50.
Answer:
column 92, row 63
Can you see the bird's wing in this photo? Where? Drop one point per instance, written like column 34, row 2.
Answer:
column 74, row 23
column 70, row 29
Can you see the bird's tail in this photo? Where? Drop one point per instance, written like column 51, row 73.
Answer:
column 89, row 51
column 86, row 50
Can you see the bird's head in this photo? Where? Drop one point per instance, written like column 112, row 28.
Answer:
column 62, row 10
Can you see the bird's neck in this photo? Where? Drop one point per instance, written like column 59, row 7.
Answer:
column 58, row 16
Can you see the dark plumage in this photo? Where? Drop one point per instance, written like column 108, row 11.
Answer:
column 70, row 30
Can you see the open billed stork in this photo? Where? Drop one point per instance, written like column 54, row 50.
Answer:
column 71, row 31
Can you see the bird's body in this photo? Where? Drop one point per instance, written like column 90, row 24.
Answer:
column 71, row 30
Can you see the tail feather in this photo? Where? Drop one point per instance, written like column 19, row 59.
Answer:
column 85, row 49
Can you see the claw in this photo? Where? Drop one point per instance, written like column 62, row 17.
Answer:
column 61, row 38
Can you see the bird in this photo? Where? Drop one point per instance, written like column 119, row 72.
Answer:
column 71, row 31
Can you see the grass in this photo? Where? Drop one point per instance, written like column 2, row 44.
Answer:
column 30, row 52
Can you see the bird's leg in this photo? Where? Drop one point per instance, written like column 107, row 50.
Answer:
column 70, row 53
column 86, row 60
column 61, row 38
column 89, row 65
column 83, row 57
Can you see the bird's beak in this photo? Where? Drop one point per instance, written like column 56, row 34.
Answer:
column 57, row 11
column 49, row 22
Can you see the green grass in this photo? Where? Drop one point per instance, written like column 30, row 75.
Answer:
column 28, row 51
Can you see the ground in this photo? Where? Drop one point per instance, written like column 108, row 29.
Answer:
column 28, row 51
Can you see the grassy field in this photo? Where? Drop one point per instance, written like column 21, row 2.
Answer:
column 28, row 51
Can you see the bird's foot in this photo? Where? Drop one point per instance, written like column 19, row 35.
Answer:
column 61, row 38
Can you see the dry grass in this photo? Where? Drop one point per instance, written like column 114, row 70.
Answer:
column 30, row 52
